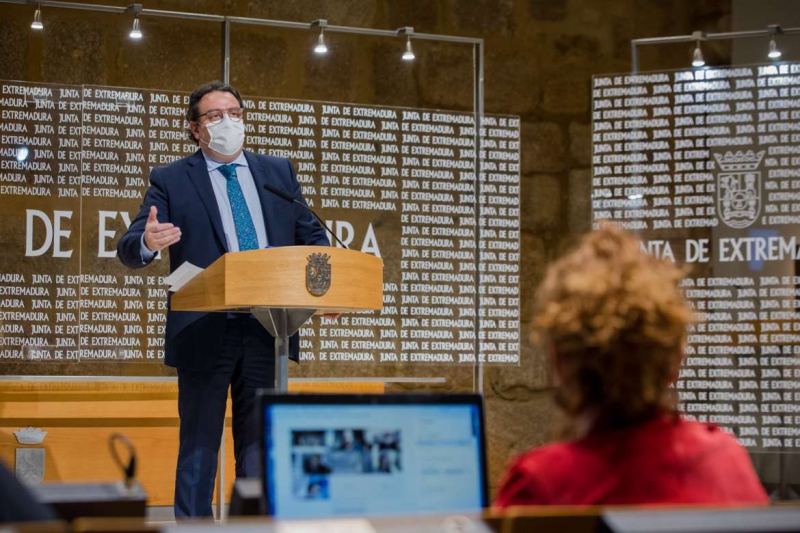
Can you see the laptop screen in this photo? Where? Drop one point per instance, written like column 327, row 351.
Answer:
column 345, row 455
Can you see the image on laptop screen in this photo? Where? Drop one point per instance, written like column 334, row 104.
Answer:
column 356, row 455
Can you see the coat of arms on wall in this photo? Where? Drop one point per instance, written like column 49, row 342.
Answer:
column 318, row 274
column 739, row 188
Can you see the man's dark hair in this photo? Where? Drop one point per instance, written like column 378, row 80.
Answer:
column 192, row 114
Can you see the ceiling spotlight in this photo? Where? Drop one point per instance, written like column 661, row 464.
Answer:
column 37, row 19
column 22, row 153
column 136, row 30
column 321, row 48
column 697, row 56
column 408, row 54
column 773, row 53
column 774, row 29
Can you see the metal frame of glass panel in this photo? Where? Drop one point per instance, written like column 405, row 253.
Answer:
column 701, row 36
column 478, row 85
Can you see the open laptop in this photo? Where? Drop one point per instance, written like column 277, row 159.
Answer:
column 328, row 455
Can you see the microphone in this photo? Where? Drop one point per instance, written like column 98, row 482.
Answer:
column 293, row 200
column 128, row 470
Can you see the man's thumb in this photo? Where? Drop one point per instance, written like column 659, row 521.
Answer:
column 153, row 215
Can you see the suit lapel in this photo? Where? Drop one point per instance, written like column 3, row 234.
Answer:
column 198, row 175
column 261, row 175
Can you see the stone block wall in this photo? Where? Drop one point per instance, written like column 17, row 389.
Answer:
column 540, row 56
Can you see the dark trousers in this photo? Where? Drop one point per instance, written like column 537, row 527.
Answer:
column 246, row 363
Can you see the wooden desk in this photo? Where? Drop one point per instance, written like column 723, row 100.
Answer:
column 80, row 415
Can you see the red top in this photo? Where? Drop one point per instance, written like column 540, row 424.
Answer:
column 659, row 461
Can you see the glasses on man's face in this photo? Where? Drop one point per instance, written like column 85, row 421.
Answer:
column 215, row 115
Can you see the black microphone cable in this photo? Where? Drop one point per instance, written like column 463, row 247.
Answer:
column 290, row 198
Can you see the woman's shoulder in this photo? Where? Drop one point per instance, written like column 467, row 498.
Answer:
column 702, row 432
column 680, row 441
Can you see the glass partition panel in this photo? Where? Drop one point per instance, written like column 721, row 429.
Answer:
column 704, row 166
column 40, row 172
column 398, row 183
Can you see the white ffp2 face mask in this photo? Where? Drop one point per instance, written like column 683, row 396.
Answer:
column 227, row 136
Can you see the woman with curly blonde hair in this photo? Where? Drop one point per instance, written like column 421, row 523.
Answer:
column 615, row 324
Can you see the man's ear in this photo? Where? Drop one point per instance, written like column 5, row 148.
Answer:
column 194, row 127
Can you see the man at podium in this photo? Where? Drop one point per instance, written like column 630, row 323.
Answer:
column 201, row 207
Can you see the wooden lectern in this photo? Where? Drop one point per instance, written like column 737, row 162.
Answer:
column 283, row 287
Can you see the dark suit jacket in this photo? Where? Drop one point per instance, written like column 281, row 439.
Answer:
column 17, row 504
column 182, row 193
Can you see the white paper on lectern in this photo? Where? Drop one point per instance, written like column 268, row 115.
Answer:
column 182, row 275
column 335, row 525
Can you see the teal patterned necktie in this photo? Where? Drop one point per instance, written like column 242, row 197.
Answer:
column 245, row 230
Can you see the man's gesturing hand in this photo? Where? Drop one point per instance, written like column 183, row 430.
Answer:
column 159, row 236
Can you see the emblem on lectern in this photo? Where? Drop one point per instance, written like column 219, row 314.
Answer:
column 29, row 467
column 739, row 188
column 318, row 274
